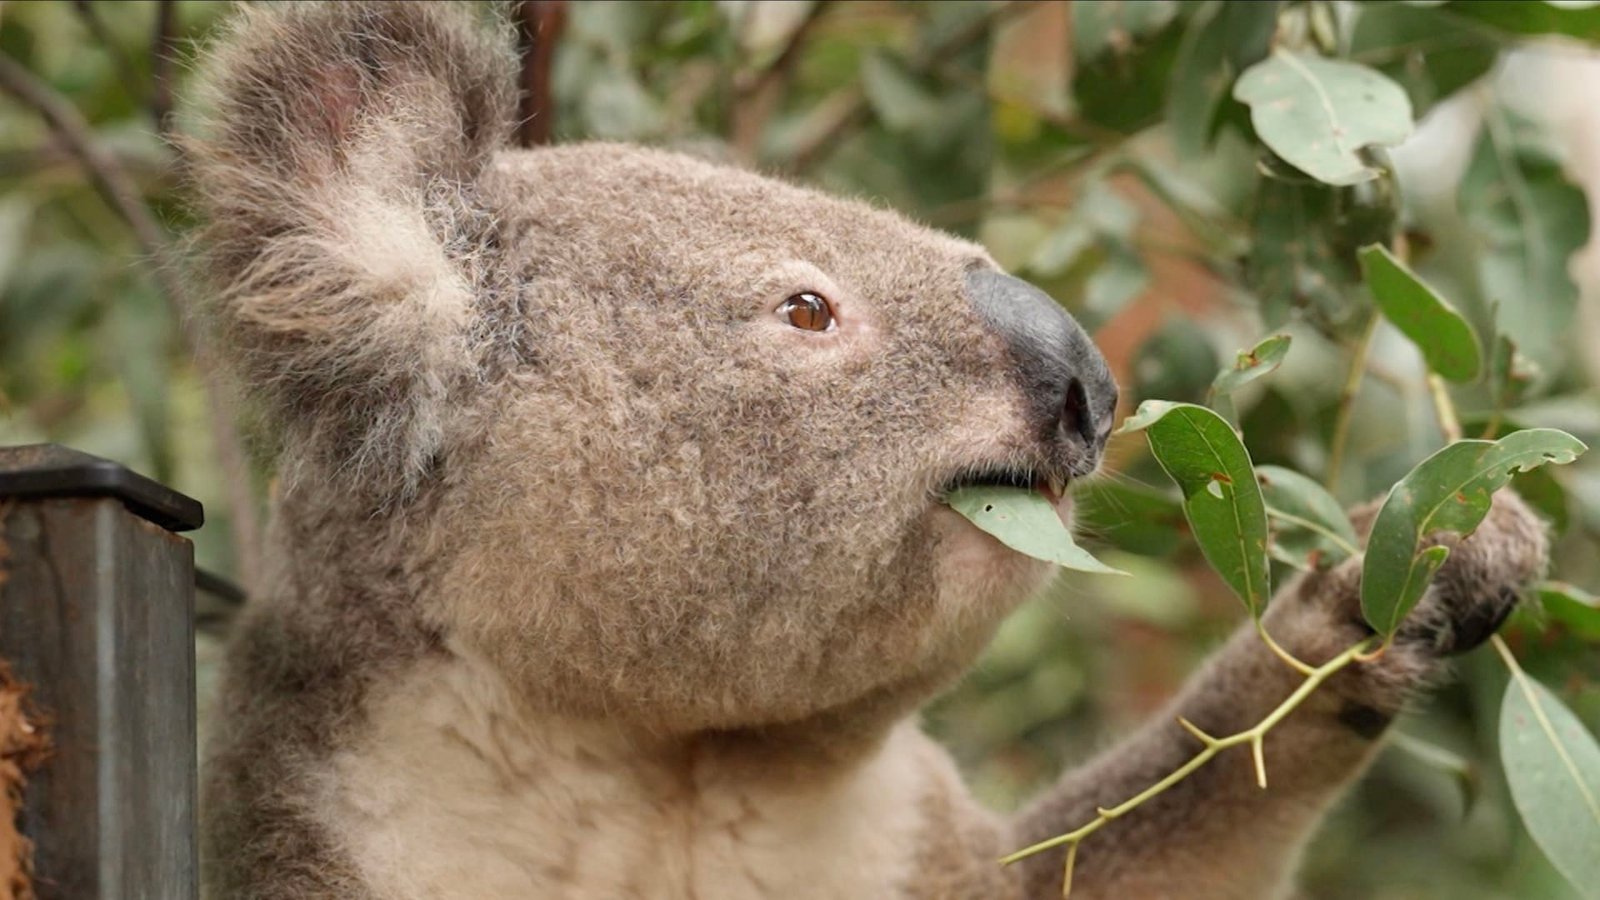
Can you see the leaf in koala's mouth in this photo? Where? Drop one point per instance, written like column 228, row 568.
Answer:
column 1026, row 522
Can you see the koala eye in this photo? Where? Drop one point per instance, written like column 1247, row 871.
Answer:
column 808, row 312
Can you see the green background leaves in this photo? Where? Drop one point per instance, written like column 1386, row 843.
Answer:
column 1320, row 114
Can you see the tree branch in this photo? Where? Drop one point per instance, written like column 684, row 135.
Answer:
column 759, row 93
column 539, row 26
column 163, row 46
column 122, row 194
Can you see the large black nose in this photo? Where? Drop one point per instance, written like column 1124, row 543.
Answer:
column 1064, row 377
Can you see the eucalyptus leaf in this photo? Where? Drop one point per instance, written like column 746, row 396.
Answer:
column 1027, row 523
column 1222, row 39
column 1552, row 766
column 1446, row 339
column 1112, row 26
column 1310, row 529
column 1529, row 220
column 1573, row 607
column 1130, row 516
column 1511, row 373
column 1319, row 114
column 1447, row 492
column 1428, row 51
column 1523, row 17
column 898, row 101
column 1262, row 359
column 1201, row 452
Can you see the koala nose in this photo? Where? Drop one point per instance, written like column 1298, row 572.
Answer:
column 1063, row 375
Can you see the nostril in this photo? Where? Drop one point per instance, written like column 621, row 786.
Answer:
column 1076, row 417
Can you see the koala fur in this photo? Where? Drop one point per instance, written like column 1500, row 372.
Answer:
column 592, row 578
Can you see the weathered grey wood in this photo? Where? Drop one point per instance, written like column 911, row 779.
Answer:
column 96, row 612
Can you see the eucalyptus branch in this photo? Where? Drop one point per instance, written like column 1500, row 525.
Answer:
column 1255, row 736
column 758, row 93
column 121, row 193
column 1347, row 402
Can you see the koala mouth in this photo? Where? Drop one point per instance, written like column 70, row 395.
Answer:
column 1051, row 486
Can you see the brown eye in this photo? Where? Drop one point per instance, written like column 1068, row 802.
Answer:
column 807, row 311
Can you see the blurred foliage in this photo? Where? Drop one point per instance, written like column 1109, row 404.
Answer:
column 1096, row 148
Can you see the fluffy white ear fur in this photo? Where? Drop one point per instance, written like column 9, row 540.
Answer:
column 337, row 173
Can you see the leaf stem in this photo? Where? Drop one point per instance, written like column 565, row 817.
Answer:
column 1444, row 408
column 1255, row 736
column 1277, row 649
column 1347, row 402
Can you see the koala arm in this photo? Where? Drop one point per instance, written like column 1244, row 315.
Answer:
column 1216, row 834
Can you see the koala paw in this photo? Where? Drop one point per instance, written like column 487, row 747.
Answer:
column 1470, row 597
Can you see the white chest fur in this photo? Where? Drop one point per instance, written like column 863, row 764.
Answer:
column 452, row 792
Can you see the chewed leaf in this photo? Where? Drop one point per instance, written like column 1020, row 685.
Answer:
column 1319, row 114
column 1552, row 764
column 1446, row 340
column 1251, row 364
column 1447, row 492
column 1027, row 523
column 1309, row 528
column 1221, row 499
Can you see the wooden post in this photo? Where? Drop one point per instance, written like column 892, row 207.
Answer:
column 96, row 615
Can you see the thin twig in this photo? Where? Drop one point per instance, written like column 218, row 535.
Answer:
column 119, row 58
column 163, row 50
column 1444, row 408
column 122, row 194
column 1347, row 403
column 758, row 94
column 1255, row 736
column 1212, row 745
column 539, row 26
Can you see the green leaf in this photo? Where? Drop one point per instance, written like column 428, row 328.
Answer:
column 898, row 101
column 1101, row 26
column 1027, row 523
column 1510, row 373
column 1262, row 359
column 1302, row 259
column 1130, row 516
column 1176, row 363
column 1429, row 52
column 1222, row 40
column 1464, row 772
column 1573, row 607
column 1125, row 91
column 1319, row 114
column 1201, row 452
column 1115, row 282
column 1523, row 17
column 1310, row 529
column 1552, row 765
column 1447, row 492
column 1529, row 220
column 1445, row 338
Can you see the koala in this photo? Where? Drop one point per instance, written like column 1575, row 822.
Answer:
column 608, row 557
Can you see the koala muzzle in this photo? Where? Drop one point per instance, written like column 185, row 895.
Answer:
column 1063, row 376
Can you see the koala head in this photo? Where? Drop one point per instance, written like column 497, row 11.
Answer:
column 672, row 437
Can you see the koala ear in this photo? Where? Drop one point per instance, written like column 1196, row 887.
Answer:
column 336, row 172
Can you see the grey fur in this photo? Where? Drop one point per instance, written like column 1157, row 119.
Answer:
column 578, row 544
